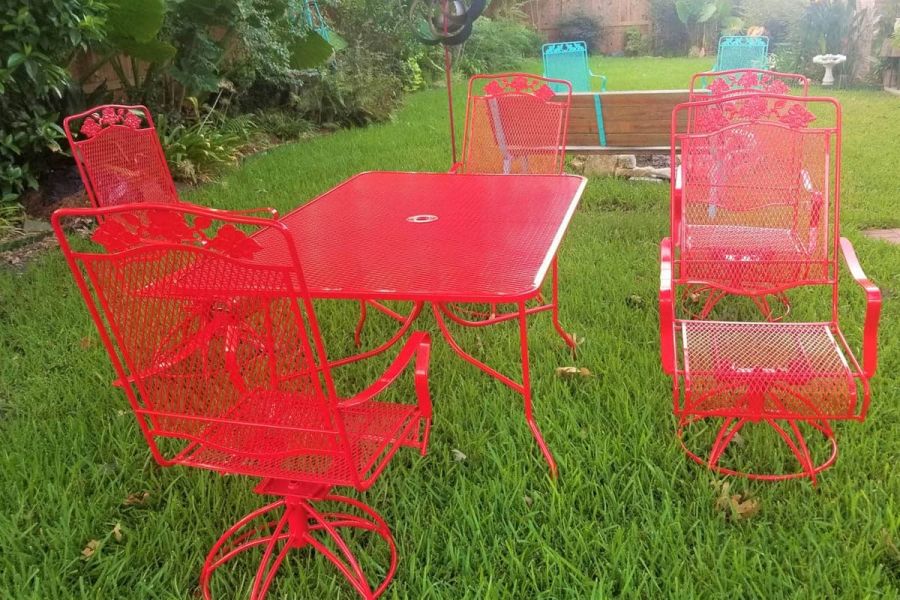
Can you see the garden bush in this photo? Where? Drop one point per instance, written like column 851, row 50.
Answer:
column 497, row 45
column 636, row 43
column 38, row 42
column 578, row 26
column 359, row 88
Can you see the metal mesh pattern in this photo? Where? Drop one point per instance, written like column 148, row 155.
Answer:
column 567, row 61
column 119, row 156
column 235, row 374
column 514, row 124
column 741, row 81
column 432, row 236
column 742, row 52
column 759, row 370
column 757, row 189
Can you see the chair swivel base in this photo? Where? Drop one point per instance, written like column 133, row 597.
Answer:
column 791, row 435
column 292, row 522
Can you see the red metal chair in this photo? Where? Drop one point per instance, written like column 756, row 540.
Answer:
column 515, row 123
column 222, row 376
column 775, row 227
column 119, row 156
column 733, row 165
column 120, row 159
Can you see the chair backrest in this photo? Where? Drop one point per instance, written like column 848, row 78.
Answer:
column 119, row 156
column 515, row 123
column 567, row 61
column 715, row 84
column 209, row 325
column 742, row 52
column 759, row 194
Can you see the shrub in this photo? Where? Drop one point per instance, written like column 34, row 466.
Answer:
column 636, row 43
column 497, row 45
column 282, row 125
column 39, row 39
column 195, row 151
column 359, row 89
column 578, row 26
column 670, row 36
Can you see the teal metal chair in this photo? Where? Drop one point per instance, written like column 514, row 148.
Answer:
column 569, row 61
column 742, row 52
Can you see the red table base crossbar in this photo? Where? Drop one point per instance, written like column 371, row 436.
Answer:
column 444, row 312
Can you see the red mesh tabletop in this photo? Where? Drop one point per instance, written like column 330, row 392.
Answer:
column 432, row 236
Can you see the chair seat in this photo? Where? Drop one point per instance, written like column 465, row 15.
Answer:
column 766, row 370
column 282, row 436
column 747, row 257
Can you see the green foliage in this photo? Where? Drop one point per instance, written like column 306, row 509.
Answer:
column 197, row 150
column 361, row 89
column 779, row 17
column 282, row 125
column 670, row 36
column 706, row 19
column 38, row 40
column 636, row 43
column 579, row 26
column 497, row 45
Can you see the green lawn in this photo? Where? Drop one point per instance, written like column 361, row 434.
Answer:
column 629, row 515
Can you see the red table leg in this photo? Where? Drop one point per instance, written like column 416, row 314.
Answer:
column 523, row 388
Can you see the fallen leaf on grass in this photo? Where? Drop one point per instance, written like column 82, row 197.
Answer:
column 137, row 498
column 117, row 532
column 634, row 301
column 458, row 456
column 85, row 343
column 572, row 371
column 90, row 548
column 735, row 506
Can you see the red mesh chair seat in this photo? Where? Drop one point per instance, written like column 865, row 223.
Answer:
column 766, row 370
column 747, row 258
column 277, row 435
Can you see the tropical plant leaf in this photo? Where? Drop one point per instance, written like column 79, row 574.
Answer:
column 154, row 51
column 139, row 20
column 310, row 51
column 707, row 12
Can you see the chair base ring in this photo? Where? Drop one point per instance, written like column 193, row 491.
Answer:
column 293, row 523
column 796, row 443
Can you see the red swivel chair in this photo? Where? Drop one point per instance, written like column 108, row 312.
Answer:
column 212, row 335
column 753, row 228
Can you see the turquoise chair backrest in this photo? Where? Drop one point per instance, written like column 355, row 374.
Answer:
column 742, row 52
column 567, row 61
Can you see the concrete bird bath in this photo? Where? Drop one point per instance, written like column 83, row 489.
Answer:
column 829, row 61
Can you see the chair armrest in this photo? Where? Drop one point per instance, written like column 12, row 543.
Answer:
column 602, row 79
column 677, row 187
column 873, row 308
column 250, row 211
column 666, row 307
column 455, row 168
column 418, row 346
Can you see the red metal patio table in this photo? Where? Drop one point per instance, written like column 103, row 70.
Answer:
column 437, row 238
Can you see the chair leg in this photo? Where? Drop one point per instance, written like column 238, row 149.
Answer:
column 293, row 522
column 794, row 439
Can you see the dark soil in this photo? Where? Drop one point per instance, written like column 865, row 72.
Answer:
column 59, row 185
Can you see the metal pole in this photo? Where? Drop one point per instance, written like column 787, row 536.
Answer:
column 447, row 67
